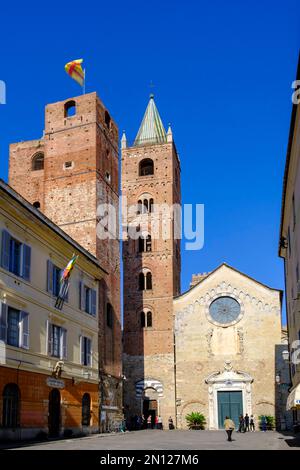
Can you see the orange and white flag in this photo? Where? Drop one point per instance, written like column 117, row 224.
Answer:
column 75, row 70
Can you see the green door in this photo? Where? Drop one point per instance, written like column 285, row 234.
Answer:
column 230, row 404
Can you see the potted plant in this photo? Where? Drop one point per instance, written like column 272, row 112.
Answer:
column 196, row 420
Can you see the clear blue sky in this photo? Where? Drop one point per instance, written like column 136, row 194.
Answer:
column 222, row 73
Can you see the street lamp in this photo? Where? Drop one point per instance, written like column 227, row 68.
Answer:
column 278, row 378
column 285, row 355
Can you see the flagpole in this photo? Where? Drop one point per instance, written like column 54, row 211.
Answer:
column 83, row 86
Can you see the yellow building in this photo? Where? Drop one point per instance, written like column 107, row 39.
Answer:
column 290, row 250
column 49, row 378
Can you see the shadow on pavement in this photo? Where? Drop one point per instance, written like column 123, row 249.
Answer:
column 290, row 438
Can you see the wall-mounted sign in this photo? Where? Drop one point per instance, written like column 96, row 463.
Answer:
column 55, row 383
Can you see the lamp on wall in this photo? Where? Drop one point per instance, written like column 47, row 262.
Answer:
column 285, row 355
column 278, row 378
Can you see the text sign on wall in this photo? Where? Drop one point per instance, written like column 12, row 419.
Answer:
column 55, row 383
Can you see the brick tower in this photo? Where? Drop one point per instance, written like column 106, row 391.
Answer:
column 150, row 177
column 67, row 173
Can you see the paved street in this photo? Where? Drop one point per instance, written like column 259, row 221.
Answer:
column 173, row 440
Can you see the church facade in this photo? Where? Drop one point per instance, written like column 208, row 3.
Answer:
column 227, row 338
column 212, row 349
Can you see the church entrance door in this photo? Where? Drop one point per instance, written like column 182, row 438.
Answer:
column 230, row 404
column 150, row 412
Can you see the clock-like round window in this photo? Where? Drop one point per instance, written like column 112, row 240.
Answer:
column 224, row 310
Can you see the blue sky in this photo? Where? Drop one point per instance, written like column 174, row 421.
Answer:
column 222, row 74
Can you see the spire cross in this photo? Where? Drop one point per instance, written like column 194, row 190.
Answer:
column 151, row 86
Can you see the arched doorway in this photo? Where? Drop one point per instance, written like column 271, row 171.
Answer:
column 54, row 413
column 11, row 406
column 150, row 406
column 86, row 410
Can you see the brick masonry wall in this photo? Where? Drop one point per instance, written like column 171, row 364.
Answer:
column 149, row 352
column 70, row 196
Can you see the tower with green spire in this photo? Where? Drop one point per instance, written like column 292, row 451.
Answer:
column 150, row 178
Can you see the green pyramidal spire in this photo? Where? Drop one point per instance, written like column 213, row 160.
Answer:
column 152, row 130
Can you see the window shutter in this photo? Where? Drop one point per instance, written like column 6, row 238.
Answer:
column 49, row 276
column 81, row 341
column 3, row 322
column 49, row 338
column 5, row 249
column 64, row 343
column 89, row 351
column 24, row 330
column 81, row 296
column 93, row 301
column 26, row 262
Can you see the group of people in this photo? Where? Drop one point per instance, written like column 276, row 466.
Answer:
column 135, row 423
column 246, row 423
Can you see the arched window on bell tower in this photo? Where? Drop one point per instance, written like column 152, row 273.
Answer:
column 146, row 319
column 70, row 108
column 145, row 280
column 148, row 281
column 144, row 243
column 146, row 167
column 37, row 162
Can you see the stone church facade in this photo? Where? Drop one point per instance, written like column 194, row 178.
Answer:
column 227, row 334
column 211, row 349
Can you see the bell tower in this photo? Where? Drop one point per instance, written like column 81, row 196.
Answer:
column 150, row 188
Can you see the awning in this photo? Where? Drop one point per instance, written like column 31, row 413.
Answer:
column 293, row 400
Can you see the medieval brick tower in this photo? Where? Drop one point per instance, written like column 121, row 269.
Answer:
column 150, row 178
column 68, row 173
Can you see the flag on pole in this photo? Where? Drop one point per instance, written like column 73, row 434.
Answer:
column 75, row 71
column 64, row 282
column 68, row 269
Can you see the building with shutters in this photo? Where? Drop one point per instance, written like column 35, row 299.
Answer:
column 70, row 174
column 49, row 361
column 289, row 250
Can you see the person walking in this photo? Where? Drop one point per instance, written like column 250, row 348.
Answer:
column 263, row 423
column 247, row 419
column 241, row 424
column 160, row 423
column 229, row 427
column 252, row 424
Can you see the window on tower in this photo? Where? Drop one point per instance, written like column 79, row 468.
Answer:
column 146, row 167
column 70, row 108
column 145, row 206
column 144, row 244
column 109, row 315
column 37, row 161
column 107, row 119
column 141, row 281
column 146, row 319
column 145, row 281
column 148, row 281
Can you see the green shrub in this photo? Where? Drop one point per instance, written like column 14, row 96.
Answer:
column 270, row 422
column 196, row 420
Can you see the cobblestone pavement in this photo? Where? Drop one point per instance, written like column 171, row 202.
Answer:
column 171, row 440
